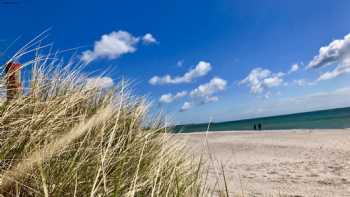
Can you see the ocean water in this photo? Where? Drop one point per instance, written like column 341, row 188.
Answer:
column 325, row 119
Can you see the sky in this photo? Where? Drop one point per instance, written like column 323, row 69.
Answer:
column 200, row 61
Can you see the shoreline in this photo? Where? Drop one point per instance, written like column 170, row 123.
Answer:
column 263, row 131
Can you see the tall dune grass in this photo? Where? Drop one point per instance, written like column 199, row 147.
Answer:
column 64, row 138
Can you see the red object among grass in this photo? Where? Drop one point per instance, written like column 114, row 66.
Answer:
column 13, row 83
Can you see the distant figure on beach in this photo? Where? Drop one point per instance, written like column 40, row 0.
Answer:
column 254, row 126
column 259, row 126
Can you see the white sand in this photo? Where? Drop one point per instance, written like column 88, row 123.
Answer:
column 293, row 163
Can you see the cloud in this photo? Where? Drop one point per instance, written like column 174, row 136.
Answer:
column 99, row 82
column 180, row 63
column 260, row 79
column 204, row 93
column 111, row 46
column 335, row 53
column 322, row 100
column 149, row 39
column 186, row 106
column 201, row 69
column 168, row 98
column 209, row 99
column 273, row 81
column 300, row 82
column 294, row 68
column 206, row 90
column 341, row 69
column 309, row 102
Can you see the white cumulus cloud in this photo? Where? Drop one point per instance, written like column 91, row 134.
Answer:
column 111, row 46
column 335, row 53
column 214, row 85
column 260, row 79
column 339, row 70
column 168, row 98
column 201, row 69
column 99, row 82
column 186, row 106
column 204, row 93
column 273, row 81
column 149, row 39
column 294, row 68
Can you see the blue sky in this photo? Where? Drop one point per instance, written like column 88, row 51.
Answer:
column 219, row 60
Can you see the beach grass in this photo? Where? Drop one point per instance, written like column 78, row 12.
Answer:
column 64, row 138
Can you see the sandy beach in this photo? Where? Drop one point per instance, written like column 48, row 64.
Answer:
column 277, row 163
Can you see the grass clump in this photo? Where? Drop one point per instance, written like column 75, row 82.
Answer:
column 64, row 138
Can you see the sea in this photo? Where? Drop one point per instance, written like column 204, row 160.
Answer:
column 324, row 119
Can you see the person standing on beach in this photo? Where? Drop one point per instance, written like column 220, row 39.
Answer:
column 259, row 127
